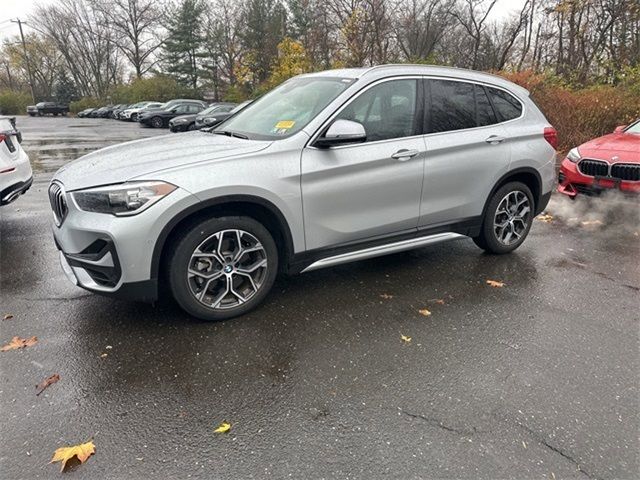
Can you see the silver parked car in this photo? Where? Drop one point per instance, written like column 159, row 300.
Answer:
column 325, row 169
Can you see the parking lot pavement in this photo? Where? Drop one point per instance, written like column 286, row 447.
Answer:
column 537, row 379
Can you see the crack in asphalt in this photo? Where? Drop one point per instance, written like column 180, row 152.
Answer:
column 439, row 424
column 474, row 430
column 557, row 450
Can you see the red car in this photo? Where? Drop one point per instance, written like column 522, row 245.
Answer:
column 609, row 162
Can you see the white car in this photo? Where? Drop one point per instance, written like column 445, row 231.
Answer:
column 15, row 170
column 132, row 112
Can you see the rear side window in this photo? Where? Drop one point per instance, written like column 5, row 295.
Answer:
column 452, row 106
column 485, row 111
column 507, row 106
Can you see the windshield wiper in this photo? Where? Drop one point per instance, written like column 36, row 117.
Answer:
column 229, row 133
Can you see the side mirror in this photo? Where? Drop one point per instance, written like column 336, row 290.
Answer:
column 342, row 132
column 620, row 129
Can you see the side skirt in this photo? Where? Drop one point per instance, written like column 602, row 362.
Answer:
column 382, row 250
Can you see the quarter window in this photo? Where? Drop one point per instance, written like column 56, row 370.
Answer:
column 387, row 110
column 507, row 107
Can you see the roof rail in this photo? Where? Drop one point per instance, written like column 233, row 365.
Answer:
column 447, row 67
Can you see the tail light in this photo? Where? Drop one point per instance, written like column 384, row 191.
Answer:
column 551, row 136
column 3, row 137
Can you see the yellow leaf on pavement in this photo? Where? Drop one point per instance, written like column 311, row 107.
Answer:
column 8, row 316
column 17, row 342
column 405, row 339
column 224, row 427
column 495, row 283
column 424, row 312
column 81, row 452
column 546, row 218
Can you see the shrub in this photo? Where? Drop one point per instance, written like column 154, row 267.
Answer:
column 580, row 114
column 14, row 103
column 84, row 103
column 159, row 88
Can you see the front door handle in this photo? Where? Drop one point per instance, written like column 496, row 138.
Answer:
column 495, row 140
column 404, row 154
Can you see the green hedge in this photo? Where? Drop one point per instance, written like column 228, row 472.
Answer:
column 14, row 103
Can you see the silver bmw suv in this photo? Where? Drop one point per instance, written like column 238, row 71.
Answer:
column 327, row 168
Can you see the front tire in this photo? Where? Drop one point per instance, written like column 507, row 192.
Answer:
column 507, row 220
column 222, row 267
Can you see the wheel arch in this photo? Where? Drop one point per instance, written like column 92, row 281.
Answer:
column 527, row 175
column 258, row 208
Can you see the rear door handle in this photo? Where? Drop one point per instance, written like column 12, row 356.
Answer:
column 404, row 154
column 495, row 140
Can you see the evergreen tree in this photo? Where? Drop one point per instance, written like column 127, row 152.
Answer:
column 65, row 89
column 264, row 30
column 183, row 48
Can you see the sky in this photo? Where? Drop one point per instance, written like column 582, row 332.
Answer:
column 11, row 9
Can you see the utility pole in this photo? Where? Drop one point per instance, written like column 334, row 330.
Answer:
column 26, row 58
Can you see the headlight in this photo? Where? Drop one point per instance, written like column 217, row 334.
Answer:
column 210, row 120
column 574, row 155
column 123, row 199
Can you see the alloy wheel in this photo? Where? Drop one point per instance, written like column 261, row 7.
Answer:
column 227, row 269
column 512, row 217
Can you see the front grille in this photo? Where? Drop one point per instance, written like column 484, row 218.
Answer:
column 58, row 203
column 594, row 168
column 626, row 171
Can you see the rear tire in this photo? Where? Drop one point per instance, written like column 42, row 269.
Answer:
column 507, row 220
column 157, row 122
column 223, row 267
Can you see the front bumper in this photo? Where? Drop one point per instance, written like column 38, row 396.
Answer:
column 572, row 182
column 180, row 127
column 113, row 255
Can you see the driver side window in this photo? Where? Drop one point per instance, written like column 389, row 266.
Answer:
column 387, row 110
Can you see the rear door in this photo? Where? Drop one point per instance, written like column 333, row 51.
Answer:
column 467, row 151
column 366, row 190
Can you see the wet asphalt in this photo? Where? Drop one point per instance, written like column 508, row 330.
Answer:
column 538, row 379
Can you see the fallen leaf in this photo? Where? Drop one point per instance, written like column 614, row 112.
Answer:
column 104, row 355
column 495, row 283
column 17, row 342
column 439, row 301
column 405, row 339
column 424, row 312
column 386, row 296
column 224, row 427
column 81, row 452
column 546, row 218
column 43, row 385
column 524, row 444
column 8, row 316
column 588, row 223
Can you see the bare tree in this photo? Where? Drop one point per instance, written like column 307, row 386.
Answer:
column 420, row 26
column 135, row 25
column 472, row 16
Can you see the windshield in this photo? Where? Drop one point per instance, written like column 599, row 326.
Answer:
column 287, row 109
column 209, row 110
column 635, row 128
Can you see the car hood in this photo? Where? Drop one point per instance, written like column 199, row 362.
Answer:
column 624, row 146
column 146, row 157
column 188, row 117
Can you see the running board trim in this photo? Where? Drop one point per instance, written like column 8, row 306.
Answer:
column 382, row 250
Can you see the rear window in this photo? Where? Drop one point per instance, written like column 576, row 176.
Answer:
column 506, row 105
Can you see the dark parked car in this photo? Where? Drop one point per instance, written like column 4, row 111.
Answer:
column 210, row 119
column 188, row 122
column 47, row 108
column 172, row 109
column 117, row 109
column 85, row 112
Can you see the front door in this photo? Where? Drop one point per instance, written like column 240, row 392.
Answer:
column 362, row 191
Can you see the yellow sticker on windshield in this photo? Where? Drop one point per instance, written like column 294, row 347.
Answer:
column 285, row 124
